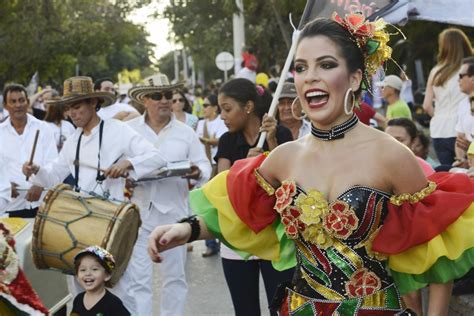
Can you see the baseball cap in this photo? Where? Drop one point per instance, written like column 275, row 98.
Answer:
column 288, row 91
column 105, row 258
column 391, row 81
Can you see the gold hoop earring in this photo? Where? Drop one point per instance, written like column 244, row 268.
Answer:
column 293, row 112
column 349, row 112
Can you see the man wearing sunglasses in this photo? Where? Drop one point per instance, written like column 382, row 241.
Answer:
column 169, row 196
column 465, row 123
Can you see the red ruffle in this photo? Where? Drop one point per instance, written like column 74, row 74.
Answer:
column 410, row 225
column 251, row 203
column 22, row 291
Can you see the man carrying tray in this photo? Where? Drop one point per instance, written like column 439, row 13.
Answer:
column 99, row 154
column 163, row 201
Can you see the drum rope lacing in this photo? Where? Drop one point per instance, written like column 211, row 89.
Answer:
column 89, row 213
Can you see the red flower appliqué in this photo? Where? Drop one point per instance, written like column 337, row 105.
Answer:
column 341, row 220
column 362, row 283
column 284, row 195
column 289, row 218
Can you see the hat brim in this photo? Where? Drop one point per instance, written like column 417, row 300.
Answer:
column 137, row 93
column 287, row 95
column 105, row 99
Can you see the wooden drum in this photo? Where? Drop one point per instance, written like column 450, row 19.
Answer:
column 69, row 221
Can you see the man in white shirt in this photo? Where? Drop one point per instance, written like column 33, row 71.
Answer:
column 98, row 144
column 126, row 111
column 17, row 136
column 163, row 201
column 465, row 123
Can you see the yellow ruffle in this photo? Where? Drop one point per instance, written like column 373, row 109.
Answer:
column 265, row 244
column 451, row 243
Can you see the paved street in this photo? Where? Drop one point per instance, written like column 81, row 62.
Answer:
column 208, row 293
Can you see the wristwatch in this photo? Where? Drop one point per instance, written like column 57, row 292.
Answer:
column 195, row 227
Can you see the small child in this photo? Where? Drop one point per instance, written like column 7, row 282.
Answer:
column 94, row 266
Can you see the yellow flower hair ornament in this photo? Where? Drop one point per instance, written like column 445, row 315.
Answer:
column 371, row 38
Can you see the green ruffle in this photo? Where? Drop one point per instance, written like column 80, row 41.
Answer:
column 204, row 209
column 443, row 271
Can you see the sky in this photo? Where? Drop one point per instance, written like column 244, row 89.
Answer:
column 157, row 28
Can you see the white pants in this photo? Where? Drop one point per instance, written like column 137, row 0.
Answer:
column 121, row 289
column 174, row 287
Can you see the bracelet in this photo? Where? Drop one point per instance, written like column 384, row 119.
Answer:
column 195, row 227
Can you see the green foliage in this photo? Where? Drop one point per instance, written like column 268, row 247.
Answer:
column 204, row 27
column 52, row 36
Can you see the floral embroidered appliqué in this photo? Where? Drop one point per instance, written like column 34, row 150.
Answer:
column 341, row 220
column 312, row 216
column 284, row 195
column 289, row 218
column 362, row 283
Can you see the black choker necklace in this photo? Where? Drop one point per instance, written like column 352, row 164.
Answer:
column 337, row 131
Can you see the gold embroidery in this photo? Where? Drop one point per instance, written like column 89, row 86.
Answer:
column 263, row 183
column 349, row 254
column 415, row 197
column 327, row 293
column 375, row 300
column 368, row 247
column 296, row 301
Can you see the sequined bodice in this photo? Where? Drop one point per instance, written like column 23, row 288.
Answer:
column 333, row 242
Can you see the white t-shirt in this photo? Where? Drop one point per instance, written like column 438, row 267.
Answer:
column 215, row 129
column 447, row 99
column 111, row 110
column 465, row 122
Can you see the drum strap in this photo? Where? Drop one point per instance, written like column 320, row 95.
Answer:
column 100, row 177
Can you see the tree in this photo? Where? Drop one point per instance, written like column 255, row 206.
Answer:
column 53, row 36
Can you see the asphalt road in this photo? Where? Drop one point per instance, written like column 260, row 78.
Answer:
column 208, row 293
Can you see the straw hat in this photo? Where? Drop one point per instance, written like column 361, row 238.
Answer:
column 82, row 88
column 152, row 84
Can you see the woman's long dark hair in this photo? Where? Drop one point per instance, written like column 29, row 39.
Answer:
column 187, row 106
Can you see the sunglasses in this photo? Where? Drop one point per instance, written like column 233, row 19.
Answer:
column 462, row 76
column 157, row 96
column 178, row 100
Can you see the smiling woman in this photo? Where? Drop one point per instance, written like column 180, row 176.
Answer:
column 338, row 203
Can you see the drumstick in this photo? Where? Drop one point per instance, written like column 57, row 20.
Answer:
column 85, row 165
column 33, row 150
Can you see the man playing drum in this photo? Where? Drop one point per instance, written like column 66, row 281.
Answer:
column 98, row 154
column 163, row 201
column 17, row 138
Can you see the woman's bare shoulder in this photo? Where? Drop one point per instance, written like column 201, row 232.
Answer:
column 276, row 165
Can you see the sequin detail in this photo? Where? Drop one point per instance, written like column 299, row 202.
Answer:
column 415, row 197
column 263, row 183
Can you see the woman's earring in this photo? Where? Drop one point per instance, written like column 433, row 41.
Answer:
column 293, row 112
column 350, row 111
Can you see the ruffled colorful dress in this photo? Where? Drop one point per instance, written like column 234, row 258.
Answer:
column 342, row 248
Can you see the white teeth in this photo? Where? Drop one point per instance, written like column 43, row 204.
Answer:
column 315, row 94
